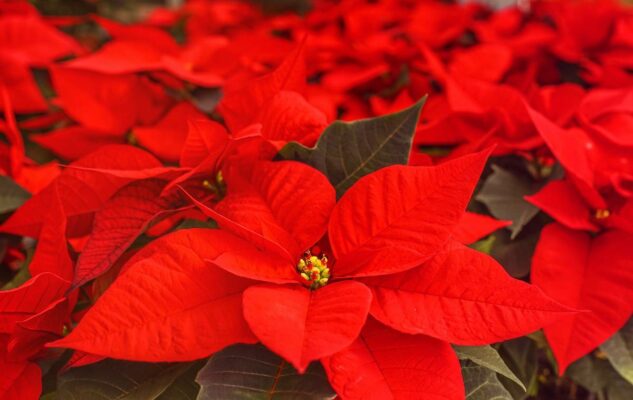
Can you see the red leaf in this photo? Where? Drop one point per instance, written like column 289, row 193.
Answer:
column 167, row 137
column 289, row 117
column 386, row 364
column 203, row 139
column 461, row 296
column 607, row 112
column 75, row 142
column 32, row 41
column 473, row 227
column 184, row 308
column 16, row 143
column 51, row 254
column 79, row 359
column 303, row 325
column 124, row 217
column 398, row 217
column 562, row 202
column 81, row 191
column 29, row 299
column 585, row 273
column 274, row 264
column 108, row 103
column 241, row 104
column 157, row 37
column 20, row 381
column 24, row 93
column 286, row 202
column 121, row 57
column 568, row 145
column 34, row 332
column 488, row 62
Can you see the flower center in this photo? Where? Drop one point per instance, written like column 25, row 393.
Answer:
column 313, row 269
column 602, row 214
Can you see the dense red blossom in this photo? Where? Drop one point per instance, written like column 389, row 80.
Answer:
column 173, row 186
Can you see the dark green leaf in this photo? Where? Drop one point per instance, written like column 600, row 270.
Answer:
column 482, row 383
column 12, row 195
column 515, row 255
column 618, row 388
column 185, row 386
column 503, row 194
column 347, row 151
column 124, row 380
column 619, row 351
column 206, row 99
column 284, row 6
column 195, row 223
column 590, row 373
column 253, row 372
column 521, row 356
column 486, row 356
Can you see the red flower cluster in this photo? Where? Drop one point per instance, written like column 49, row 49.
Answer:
column 232, row 177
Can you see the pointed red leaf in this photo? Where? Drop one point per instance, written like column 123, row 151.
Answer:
column 287, row 202
column 33, row 333
column 241, row 105
column 274, row 263
column 79, row 359
column 121, row 57
column 568, row 145
column 398, row 217
column 184, row 308
column 289, row 117
column 123, row 218
column 13, row 135
column 23, row 91
column 386, row 364
column 20, row 381
column 29, row 299
column 204, row 137
column 74, row 142
column 461, row 296
column 109, row 103
column 51, row 254
column 303, row 325
column 562, row 202
column 167, row 137
column 81, row 191
column 585, row 273
column 473, row 227
column 32, row 41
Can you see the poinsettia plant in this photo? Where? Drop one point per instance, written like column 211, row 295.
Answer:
column 350, row 199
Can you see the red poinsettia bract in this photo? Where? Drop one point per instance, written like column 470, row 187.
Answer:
column 299, row 272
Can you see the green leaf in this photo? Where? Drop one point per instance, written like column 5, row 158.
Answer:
column 515, row 255
column 125, row 380
column 590, row 373
column 185, row 386
column 486, row 356
column 619, row 351
column 253, row 372
column 347, row 151
column 12, row 195
column 206, row 99
column 521, row 356
column 503, row 194
column 484, row 245
column 618, row 388
column 482, row 383
column 194, row 223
